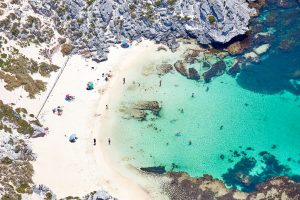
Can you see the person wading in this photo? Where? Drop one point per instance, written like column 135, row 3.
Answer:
column 123, row 81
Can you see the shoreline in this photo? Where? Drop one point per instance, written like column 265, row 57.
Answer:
column 81, row 168
column 114, row 92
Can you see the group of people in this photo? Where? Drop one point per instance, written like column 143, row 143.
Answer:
column 58, row 110
column 107, row 76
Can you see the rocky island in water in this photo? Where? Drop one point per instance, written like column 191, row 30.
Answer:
column 149, row 100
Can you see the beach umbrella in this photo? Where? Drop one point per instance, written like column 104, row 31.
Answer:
column 69, row 97
column 125, row 45
column 90, row 86
column 73, row 138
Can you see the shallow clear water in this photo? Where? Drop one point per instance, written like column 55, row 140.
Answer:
column 246, row 125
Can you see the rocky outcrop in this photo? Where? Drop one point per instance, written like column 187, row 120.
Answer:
column 164, row 69
column 180, row 67
column 99, row 195
column 235, row 68
column 138, row 110
column 44, row 192
column 261, row 49
column 216, row 69
column 95, row 25
column 181, row 186
column 236, row 48
column 147, row 105
column 193, row 74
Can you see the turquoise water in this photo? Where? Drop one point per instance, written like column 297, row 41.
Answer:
column 248, row 125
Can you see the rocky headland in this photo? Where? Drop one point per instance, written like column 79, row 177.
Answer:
column 94, row 25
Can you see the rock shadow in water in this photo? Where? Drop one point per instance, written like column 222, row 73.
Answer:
column 273, row 74
column 270, row 76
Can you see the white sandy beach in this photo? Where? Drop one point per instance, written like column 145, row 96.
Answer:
column 79, row 168
column 76, row 169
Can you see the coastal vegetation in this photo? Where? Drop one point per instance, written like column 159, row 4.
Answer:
column 66, row 49
column 211, row 19
column 15, row 168
column 16, row 70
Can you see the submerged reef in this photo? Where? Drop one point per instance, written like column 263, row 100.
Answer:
column 277, row 70
column 242, row 176
column 138, row 110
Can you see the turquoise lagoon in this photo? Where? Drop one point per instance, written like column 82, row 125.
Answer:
column 249, row 124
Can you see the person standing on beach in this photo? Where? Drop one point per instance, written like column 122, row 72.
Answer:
column 108, row 141
column 106, row 106
column 94, row 141
column 123, row 80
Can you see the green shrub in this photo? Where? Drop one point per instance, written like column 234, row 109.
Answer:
column 171, row 2
column 48, row 196
column 6, row 161
column 3, row 55
column 23, row 188
column 158, row 3
column 90, row 2
column 14, row 30
column 66, row 49
column 211, row 19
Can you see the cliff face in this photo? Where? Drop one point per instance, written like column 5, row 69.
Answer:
column 96, row 24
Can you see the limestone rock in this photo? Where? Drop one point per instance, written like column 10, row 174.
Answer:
column 164, row 69
column 262, row 49
column 193, row 74
column 234, row 69
column 138, row 110
column 252, row 56
column 86, row 24
column 180, row 67
column 147, row 105
column 216, row 69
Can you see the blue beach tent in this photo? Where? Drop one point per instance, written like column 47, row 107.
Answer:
column 73, row 138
